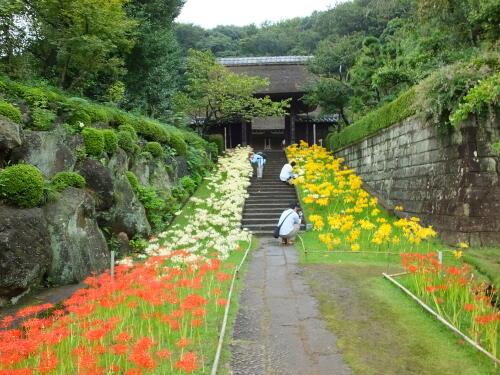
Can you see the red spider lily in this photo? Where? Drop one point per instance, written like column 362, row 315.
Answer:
column 119, row 349
column 123, row 337
column 134, row 371
column 31, row 310
column 193, row 301
column 163, row 354
column 431, row 289
column 7, row 321
column 187, row 362
column 183, row 343
column 196, row 323
column 221, row 301
column 49, row 362
column 468, row 306
column 487, row 318
column 221, row 276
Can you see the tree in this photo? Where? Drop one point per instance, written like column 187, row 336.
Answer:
column 153, row 65
column 80, row 41
column 214, row 95
column 12, row 35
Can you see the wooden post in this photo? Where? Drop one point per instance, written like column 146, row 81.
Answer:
column 314, row 132
column 243, row 133
column 292, row 128
column 225, row 137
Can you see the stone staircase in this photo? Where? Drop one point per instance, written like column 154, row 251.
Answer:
column 269, row 197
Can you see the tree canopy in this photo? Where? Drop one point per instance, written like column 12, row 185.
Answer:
column 215, row 95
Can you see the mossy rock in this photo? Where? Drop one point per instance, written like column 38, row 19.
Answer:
column 110, row 141
column 94, row 141
column 64, row 179
column 21, row 185
column 177, row 142
column 11, row 112
column 154, row 148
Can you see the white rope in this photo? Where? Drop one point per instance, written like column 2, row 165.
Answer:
column 226, row 313
column 442, row 320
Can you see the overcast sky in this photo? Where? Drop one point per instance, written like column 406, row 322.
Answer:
column 210, row 13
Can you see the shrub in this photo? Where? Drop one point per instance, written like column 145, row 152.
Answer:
column 125, row 141
column 130, row 129
column 110, row 141
column 374, row 121
column 21, row 185
column 178, row 143
column 98, row 113
column 13, row 113
column 64, row 179
column 154, row 148
column 218, row 139
column 94, row 141
column 42, row 119
column 188, row 184
column 37, row 96
column 151, row 130
column 213, row 148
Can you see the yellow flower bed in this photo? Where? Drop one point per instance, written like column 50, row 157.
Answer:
column 344, row 215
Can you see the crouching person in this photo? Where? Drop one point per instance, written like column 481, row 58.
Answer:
column 289, row 223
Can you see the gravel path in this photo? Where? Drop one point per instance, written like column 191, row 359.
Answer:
column 278, row 329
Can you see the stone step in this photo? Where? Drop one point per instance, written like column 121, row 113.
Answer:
column 270, row 189
column 262, row 214
column 269, row 227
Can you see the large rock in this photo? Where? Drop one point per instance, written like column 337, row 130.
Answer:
column 99, row 180
column 140, row 167
column 10, row 137
column 182, row 166
column 78, row 245
column 160, row 176
column 25, row 254
column 127, row 213
column 50, row 151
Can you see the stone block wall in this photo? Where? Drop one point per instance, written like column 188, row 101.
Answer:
column 450, row 181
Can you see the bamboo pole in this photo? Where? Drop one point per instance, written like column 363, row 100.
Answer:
column 442, row 320
column 226, row 313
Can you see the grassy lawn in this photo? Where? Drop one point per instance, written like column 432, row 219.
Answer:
column 381, row 330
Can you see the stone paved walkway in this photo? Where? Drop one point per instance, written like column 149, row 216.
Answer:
column 278, row 329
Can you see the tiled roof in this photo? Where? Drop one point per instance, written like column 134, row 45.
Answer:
column 263, row 60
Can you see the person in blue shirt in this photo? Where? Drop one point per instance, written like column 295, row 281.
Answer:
column 259, row 161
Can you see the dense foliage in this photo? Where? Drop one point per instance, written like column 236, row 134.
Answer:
column 368, row 52
column 119, row 51
column 21, row 185
column 214, row 95
column 62, row 180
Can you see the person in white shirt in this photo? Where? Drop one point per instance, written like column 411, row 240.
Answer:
column 290, row 221
column 286, row 174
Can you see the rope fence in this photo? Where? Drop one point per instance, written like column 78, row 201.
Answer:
column 226, row 312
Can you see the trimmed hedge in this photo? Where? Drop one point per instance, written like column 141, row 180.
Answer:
column 154, row 148
column 64, row 179
column 218, row 139
column 110, row 141
column 11, row 112
column 21, row 185
column 374, row 121
column 74, row 110
column 94, row 141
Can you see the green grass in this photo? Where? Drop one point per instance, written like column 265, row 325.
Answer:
column 381, row 330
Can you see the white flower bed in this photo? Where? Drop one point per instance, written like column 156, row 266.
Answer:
column 216, row 223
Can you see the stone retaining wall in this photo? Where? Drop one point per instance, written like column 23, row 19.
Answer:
column 450, row 181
